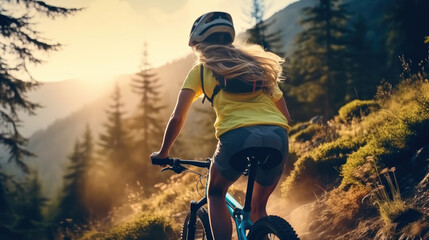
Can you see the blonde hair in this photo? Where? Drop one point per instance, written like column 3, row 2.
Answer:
column 247, row 62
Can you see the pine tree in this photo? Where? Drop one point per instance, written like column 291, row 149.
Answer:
column 147, row 124
column 72, row 204
column 317, row 68
column 115, row 151
column 147, row 121
column 115, row 141
column 28, row 207
column 19, row 46
column 364, row 72
column 407, row 26
column 258, row 33
column 88, row 147
column 21, row 208
column 6, row 211
column 74, row 200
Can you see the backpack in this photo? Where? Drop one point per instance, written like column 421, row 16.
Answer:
column 234, row 85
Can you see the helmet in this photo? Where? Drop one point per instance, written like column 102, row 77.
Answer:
column 209, row 23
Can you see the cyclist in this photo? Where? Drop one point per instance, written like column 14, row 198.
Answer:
column 250, row 118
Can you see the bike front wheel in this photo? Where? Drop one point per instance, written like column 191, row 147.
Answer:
column 203, row 230
column 272, row 227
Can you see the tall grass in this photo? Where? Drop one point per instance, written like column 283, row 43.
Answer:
column 385, row 192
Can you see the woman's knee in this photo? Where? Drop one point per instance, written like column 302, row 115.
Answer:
column 216, row 190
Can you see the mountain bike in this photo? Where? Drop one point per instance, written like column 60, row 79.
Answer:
column 197, row 225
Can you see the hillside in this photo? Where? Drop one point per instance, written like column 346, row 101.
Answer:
column 362, row 175
column 70, row 105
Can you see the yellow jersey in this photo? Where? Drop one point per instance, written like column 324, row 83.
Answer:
column 236, row 110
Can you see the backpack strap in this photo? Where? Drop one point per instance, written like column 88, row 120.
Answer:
column 215, row 90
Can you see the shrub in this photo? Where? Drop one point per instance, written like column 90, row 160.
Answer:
column 307, row 133
column 144, row 227
column 404, row 129
column 357, row 108
column 318, row 169
column 298, row 127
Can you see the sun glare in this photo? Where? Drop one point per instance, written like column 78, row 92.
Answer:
column 107, row 37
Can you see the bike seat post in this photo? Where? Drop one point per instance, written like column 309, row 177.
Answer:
column 253, row 165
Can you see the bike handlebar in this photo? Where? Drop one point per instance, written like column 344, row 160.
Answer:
column 161, row 162
column 177, row 163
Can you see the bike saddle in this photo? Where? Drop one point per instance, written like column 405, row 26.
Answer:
column 265, row 157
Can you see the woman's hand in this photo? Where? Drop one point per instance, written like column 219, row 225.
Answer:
column 159, row 155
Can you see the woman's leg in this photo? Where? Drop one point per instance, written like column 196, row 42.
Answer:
column 220, row 220
column 259, row 200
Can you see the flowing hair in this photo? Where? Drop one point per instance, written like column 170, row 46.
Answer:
column 248, row 62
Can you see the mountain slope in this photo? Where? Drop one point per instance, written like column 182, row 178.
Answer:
column 53, row 144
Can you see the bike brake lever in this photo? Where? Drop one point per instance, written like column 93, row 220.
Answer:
column 167, row 168
column 177, row 169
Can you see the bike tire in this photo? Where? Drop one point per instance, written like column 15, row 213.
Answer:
column 203, row 230
column 270, row 227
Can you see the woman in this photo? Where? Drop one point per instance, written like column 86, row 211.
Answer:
column 257, row 118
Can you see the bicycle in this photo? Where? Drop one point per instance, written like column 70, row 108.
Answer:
column 197, row 221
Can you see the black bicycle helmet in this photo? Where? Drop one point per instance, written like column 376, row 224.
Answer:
column 209, row 23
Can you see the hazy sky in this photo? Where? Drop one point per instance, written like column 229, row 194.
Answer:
column 107, row 37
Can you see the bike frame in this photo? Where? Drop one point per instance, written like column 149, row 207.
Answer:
column 240, row 214
column 241, row 218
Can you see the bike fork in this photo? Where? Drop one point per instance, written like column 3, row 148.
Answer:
column 192, row 224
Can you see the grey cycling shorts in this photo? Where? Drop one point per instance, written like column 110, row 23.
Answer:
column 239, row 139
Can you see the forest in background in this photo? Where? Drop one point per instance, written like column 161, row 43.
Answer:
column 358, row 87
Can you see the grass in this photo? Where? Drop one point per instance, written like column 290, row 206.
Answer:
column 320, row 166
column 384, row 133
column 385, row 192
column 144, row 227
column 401, row 128
column 357, row 108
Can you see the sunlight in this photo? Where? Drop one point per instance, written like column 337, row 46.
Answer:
column 107, row 37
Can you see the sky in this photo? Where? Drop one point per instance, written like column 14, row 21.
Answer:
column 107, row 37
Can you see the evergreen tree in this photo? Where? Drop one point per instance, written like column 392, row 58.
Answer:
column 88, row 147
column 364, row 72
column 72, row 204
column 115, row 151
column 147, row 122
column 115, row 141
column 6, row 211
column 407, row 26
column 147, row 125
column 258, row 33
column 21, row 208
column 317, row 68
column 28, row 205
column 19, row 46
column 74, row 200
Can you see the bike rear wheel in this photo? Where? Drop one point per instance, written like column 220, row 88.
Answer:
column 203, row 230
column 272, row 227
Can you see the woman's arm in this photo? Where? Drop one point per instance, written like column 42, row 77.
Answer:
column 281, row 105
column 175, row 124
